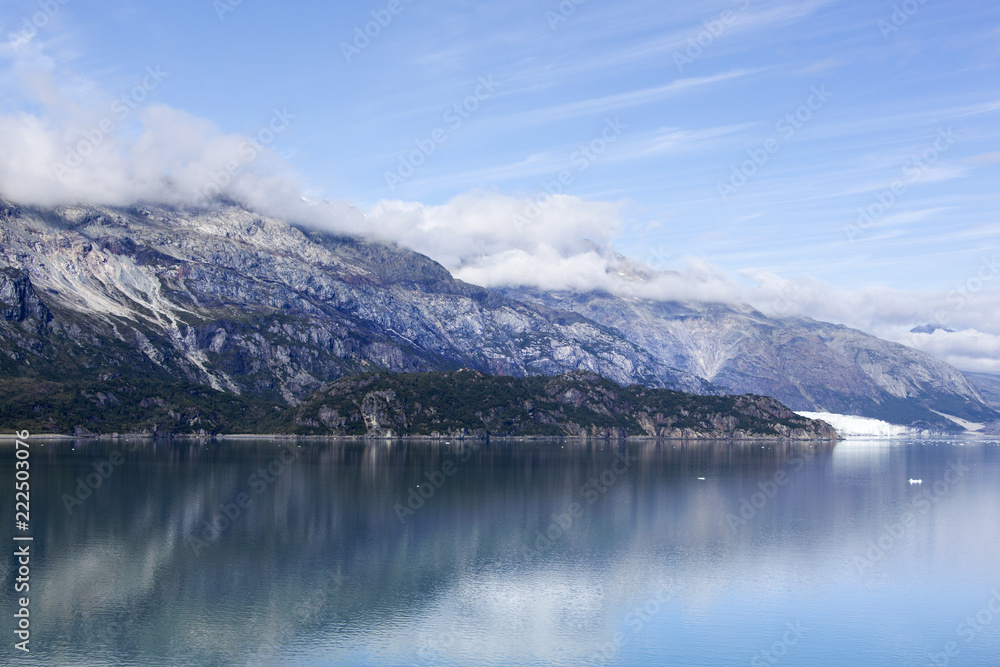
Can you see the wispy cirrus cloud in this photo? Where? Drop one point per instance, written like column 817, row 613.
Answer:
column 606, row 104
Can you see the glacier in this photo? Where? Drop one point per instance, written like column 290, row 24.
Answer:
column 851, row 426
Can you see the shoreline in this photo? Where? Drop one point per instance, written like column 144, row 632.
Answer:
column 4, row 437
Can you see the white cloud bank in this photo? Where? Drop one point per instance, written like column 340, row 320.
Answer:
column 64, row 140
column 176, row 158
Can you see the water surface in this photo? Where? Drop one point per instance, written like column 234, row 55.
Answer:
column 511, row 553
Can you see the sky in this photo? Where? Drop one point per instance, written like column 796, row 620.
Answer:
column 837, row 159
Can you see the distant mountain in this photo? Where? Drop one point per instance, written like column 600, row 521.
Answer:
column 930, row 328
column 106, row 302
column 988, row 386
column 469, row 403
column 805, row 364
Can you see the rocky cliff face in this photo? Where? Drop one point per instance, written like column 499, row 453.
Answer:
column 807, row 365
column 18, row 301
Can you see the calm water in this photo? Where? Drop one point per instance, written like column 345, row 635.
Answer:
column 521, row 553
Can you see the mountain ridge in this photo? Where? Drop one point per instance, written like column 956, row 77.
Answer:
column 254, row 305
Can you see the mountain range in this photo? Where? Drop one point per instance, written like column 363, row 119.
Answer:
column 222, row 299
column 805, row 364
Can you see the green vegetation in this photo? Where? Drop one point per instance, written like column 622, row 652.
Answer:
column 467, row 402
column 463, row 403
column 130, row 406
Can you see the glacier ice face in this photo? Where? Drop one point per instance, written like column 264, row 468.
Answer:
column 851, row 426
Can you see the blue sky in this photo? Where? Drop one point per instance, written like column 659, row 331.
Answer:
column 736, row 142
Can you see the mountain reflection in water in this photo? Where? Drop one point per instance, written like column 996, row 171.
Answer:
column 283, row 552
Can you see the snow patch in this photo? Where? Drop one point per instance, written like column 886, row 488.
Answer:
column 967, row 425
